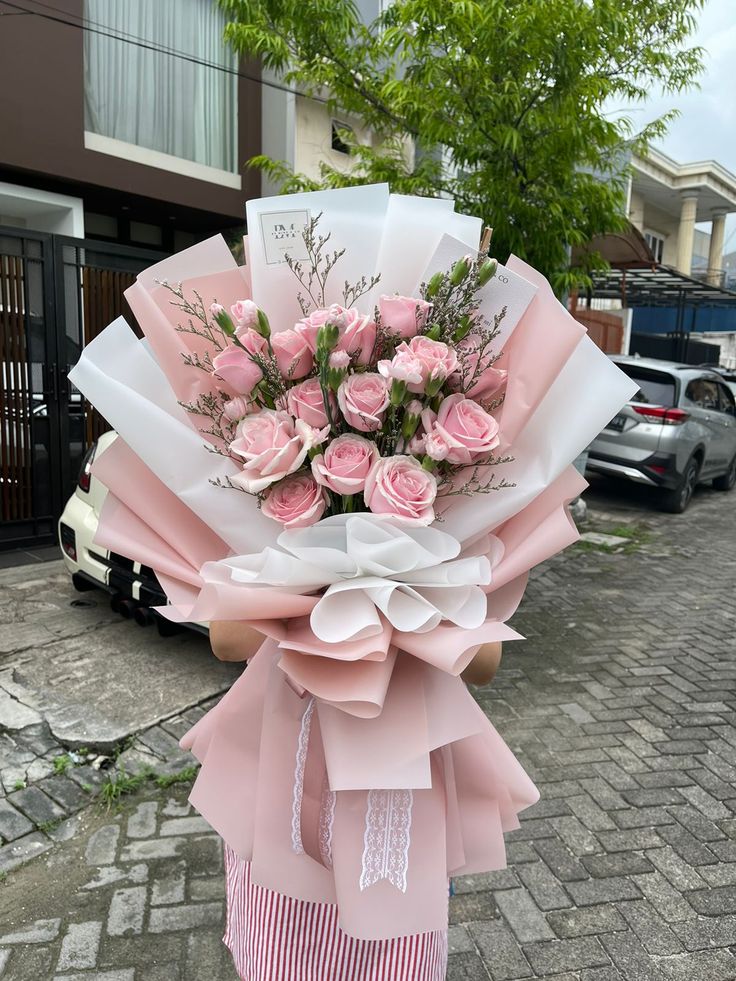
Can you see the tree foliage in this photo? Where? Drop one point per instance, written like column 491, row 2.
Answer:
column 515, row 95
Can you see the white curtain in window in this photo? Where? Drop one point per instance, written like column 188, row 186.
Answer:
column 151, row 98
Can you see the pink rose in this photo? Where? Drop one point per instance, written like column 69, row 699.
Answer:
column 437, row 362
column 403, row 315
column 400, row 487
column 308, row 327
column 358, row 337
column 468, row 431
column 292, row 354
column 252, row 341
column 482, row 383
column 295, row 502
column 245, row 315
column 403, row 367
column 237, row 369
column 345, row 464
column 238, row 407
column 272, row 445
column 363, row 400
column 305, row 401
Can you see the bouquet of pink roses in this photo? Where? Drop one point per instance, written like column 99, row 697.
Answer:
column 387, row 412
column 321, row 460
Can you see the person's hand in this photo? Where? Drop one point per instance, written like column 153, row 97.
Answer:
column 234, row 640
column 482, row 669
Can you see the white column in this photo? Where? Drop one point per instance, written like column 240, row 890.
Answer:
column 715, row 252
column 686, row 232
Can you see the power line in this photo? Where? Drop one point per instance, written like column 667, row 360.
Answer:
column 139, row 42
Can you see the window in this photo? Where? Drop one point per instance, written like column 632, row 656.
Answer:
column 703, row 392
column 655, row 241
column 655, row 387
column 727, row 400
column 338, row 143
column 184, row 107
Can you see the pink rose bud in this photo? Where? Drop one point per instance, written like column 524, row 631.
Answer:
column 400, row 487
column 292, row 354
column 237, row 370
column 216, row 309
column 305, row 401
column 403, row 315
column 358, row 337
column 236, row 408
column 435, row 446
column 295, row 502
column 252, row 341
column 363, row 400
column 272, row 445
column 339, row 359
column 245, row 314
column 469, row 432
column 345, row 464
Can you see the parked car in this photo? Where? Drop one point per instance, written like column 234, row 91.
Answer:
column 133, row 587
column 677, row 431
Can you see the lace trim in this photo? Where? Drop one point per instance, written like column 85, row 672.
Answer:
column 300, row 763
column 326, row 821
column 387, row 838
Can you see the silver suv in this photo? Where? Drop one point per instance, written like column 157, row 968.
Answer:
column 678, row 430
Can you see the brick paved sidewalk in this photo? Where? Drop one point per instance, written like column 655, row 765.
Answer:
column 620, row 704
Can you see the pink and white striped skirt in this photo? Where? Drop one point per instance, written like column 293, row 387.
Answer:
column 276, row 938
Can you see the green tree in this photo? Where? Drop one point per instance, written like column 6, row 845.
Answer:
column 516, row 94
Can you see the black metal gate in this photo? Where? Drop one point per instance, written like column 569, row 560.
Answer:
column 56, row 294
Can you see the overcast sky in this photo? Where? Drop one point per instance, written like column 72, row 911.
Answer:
column 706, row 128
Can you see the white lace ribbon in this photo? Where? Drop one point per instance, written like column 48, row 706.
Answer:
column 299, row 765
column 326, row 822
column 387, row 838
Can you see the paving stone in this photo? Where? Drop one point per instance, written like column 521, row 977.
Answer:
column 498, row 947
column 184, row 917
column 650, row 928
column 711, row 965
column 17, row 852
column 35, row 933
column 68, row 794
column 548, row 893
column 36, row 806
column 459, row 941
column 157, row 848
column 620, row 863
column 557, row 956
column 127, row 911
column 631, row 959
column 523, row 916
column 466, row 967
column 611, row 890
column 13, row 824
column 184, row 826
column 169, row 888
column 102, row 846
column 142, row 822
column 588, row 921
column 80, row 946
column 713, row 901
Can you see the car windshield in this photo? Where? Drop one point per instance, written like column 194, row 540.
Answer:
column 655, row 387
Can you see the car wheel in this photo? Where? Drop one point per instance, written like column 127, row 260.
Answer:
column 676, row 500
column 727, row 481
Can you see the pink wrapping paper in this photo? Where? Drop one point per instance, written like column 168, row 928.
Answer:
column 315, row 738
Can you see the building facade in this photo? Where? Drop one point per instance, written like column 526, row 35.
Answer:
column 668, row 200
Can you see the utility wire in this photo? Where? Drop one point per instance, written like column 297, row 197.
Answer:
column 157, row 49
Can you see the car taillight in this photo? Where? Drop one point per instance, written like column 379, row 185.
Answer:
column 85, row 471
column 661, row 414
column 68, row 541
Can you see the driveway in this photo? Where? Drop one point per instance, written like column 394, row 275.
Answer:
column 621, row 706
